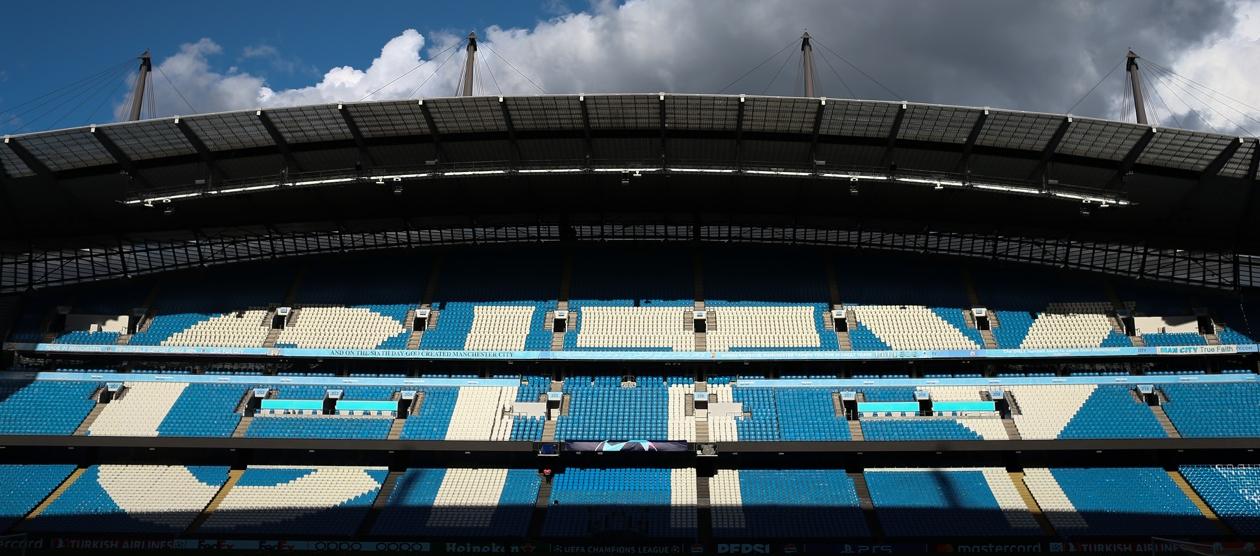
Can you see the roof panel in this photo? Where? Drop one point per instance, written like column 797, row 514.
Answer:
column 66, row 149
column 938, row 123
column 149, row 139
column 1240, row 163
column 1100, row 139
column 308, row 124
column 701, row 112
column 230, row 131
column 13, row 166
column 1187, row 150
column 389, row 119
column 1018, row 130
column 624, row 111
column 546, row 112
column 467, row 115
column 854, row 118
column 780, row 115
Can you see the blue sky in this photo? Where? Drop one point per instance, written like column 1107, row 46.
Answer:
column 1021, row 54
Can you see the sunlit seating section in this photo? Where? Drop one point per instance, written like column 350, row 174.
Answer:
column 357, row 301
column 1051, row 411
column 220, row 307
column 896, row 308
column 1213, row 410
column 44, row 406
column 602, row 408
column 631, row 298
column 785, row 504
column 132, row 499
column 1122, row 501
column 766, row 299
column 308, row 501
column 1044, row 308
column 495, row 300
column 460, row 502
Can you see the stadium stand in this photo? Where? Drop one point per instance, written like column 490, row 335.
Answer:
column 589, row 502
column 1052, row 411
column 479, row 310
column 631, row 299
column 61, row 406
column 766, row 299
column 785, row 504
column 1114, row 502
column 22, row 487
column 325, row 501
column 1231, row 492
column 132, row 499
column 895, row 312
column 602, row 408
column 1213, row 410
column 360, row 301
column 957, row 502
column 495, row 503
column 216, row 308
column 1036, row 309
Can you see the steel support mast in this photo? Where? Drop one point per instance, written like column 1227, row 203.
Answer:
column 1135, row 79
column 807, row 54
column 137, row 96
column 470, row 64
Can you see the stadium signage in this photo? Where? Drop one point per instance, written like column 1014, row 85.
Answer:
column 664, row 356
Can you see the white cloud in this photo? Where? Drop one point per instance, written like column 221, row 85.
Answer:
column 1220, row 73
column 1031, row 56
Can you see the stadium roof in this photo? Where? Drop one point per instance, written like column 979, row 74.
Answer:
column 629, row 159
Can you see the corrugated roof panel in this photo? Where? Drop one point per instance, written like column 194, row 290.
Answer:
column 1187, row 150
column 701, row 112
column 466, row 115
column 66, row 149
column 308, row 124
column 938, row 123
column 858, row 118
column 1100, row 139
column 389, row 119
column 1240, row 163
column 547, row 112
column 780, row 115
column 1018, row 130
column 149, row 139
column 624, row 111
column 231, row 131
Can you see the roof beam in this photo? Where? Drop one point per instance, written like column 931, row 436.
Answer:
column 661, row 109
column 279, row 140
column 813, row 141
column 433, row 132
column 739, row 134
column 35, row 164
column 123, row 160
column 1047, row 152
column 1213, row 168
column 890, row 147
column 207, row 156
column 1252, row 181
column 364, row 153
column 1126, row 163
column 586, row 130
column 515, row 149
column 964, row 162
